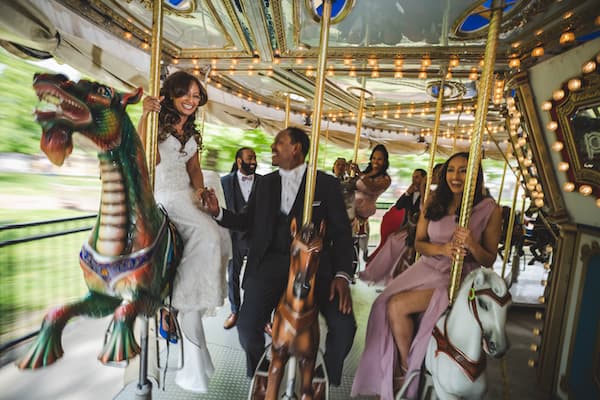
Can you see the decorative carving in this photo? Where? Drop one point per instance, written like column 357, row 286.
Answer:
column 575, row 112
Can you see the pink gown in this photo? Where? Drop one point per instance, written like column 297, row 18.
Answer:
column 365, row 199
column 376, row 367
column 383, row 262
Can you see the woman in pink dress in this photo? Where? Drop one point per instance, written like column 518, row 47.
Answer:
column 396, row 248
column 372, row 182
column 422, row 288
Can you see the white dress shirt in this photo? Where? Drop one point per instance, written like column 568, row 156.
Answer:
column 290, row 183
column 245, row 182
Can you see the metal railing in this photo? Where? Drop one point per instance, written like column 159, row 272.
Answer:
column 39, row 269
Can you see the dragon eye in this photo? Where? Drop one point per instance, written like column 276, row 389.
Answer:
column 104, row 91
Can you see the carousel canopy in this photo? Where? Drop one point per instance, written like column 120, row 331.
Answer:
column 253, row 54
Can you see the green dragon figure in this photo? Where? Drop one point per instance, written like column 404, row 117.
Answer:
column 130, row 258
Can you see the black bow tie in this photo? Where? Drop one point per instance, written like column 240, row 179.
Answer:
column 247, row 178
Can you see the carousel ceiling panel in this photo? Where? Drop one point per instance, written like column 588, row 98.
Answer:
column 388, row 23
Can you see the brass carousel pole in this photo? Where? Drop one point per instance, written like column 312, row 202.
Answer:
column 511, row 224
column 286, row 123
column 311, row 173
column 326, row 146
column 502, row 182
column 359, row 118
column 155, row 55
column 477, row 139
column 436, row 127
column 144, row 386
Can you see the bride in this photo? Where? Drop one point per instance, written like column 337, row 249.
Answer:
column 199, row 286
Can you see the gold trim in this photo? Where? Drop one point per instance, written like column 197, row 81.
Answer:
column 552, row 191
column 559, row 283
column 278, row 25
column 233, row 17
column 573, row 101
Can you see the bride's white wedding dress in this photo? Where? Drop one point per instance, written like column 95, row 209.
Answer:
column 200, row 285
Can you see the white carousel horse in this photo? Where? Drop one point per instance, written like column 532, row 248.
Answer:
column 475, row 324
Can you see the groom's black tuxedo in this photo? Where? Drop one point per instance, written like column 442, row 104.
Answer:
column 268, row 263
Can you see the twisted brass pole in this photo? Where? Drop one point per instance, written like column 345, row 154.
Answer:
column 483, row 100
column 436, row 127
column 286, row 123
column 155, row 53
column 311, row 172
column 502, row 182
column 511, row 225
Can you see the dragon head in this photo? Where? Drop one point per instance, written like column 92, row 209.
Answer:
column 90, row 108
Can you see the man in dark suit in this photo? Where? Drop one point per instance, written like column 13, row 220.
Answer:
column 237, row 186
column 277, row 198
column 411, row 199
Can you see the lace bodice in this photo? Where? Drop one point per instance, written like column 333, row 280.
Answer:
column 171, row 172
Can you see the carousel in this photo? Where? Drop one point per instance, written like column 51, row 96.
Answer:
column 509, row 80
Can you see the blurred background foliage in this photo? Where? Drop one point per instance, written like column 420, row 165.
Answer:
column 19, row 133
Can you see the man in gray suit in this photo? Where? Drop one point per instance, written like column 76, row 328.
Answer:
column 237, row 187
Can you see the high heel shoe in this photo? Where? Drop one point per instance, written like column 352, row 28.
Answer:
column 166, row 328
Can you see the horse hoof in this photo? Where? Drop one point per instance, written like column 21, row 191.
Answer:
column 259, row 391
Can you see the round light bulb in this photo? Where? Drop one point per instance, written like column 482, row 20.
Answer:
column 558, row 94
column 539, row 315
column 539, row 203
column 563, row 166
column 552, row 126
column 569, row 186
column 574, row 84
column 589, row 67
column 547, row 106
column 585, row 190
column 558, row 146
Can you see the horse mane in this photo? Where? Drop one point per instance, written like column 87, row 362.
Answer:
column 308, row 233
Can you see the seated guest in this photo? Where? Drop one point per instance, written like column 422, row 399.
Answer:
column 391, row 347
column 347, row 183
column 392, row 253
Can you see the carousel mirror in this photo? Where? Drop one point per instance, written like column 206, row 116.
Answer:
column 575, row 111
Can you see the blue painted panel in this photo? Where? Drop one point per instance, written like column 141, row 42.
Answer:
column 581, row 381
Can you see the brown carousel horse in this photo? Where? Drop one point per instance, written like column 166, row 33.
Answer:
column 296, row 326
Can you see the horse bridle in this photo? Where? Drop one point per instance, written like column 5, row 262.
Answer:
column 471, row 368
column 501, row 301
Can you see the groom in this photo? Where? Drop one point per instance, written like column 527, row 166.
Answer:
column 277, row 198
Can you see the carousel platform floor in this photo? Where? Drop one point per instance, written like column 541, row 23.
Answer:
column 78, row 375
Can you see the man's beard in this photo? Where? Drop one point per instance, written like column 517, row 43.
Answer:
column 247, row 168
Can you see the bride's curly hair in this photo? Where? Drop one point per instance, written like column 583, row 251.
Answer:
column 175, row 86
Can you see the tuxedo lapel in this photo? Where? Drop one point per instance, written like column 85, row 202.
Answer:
column 298, row 207
column 275, row 196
